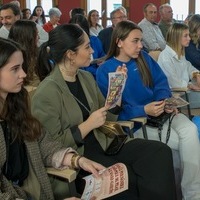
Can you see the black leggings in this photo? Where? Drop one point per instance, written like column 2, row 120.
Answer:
column 149, row 164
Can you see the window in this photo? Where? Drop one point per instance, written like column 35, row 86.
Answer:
column 46, row 4
column 197, row 7
column 180, row 9
column 104, row 8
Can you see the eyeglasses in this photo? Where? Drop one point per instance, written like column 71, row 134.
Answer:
column 121, row 17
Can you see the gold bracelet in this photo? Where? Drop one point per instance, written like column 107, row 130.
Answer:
column 74, row 161
column 77, row 161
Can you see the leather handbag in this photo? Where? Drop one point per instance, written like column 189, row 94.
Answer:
column 159, row 121
column 114, row 130
column 111, row 129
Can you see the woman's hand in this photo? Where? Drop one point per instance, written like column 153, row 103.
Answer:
column 198, row 80
column 171, row 110
column 194, row 87
column 95, row 120
column 155, row 108
column 90, row 166
column 122, row 69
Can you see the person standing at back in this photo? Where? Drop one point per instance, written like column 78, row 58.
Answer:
column 153, row 39
column 38, row 15
column 116, row 16
column 93, row 20
column 166, row 18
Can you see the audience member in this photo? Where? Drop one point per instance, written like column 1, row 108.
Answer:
column 38, row 15
column 152, row 36
column 54, row 15
column 166, row 18
column 95, row 44
column 17, row 3
column 93, row 20
column 25, row 33
column 69, row 104
column 178, row 70
column 187, row 19
column 192, row 52
column 25, row 147
column 116, row 16
column 146, row 97
column 26, row 13
column 14, row 12
column 75, row 11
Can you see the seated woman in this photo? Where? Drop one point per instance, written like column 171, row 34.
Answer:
column 26, row 34
column 192, row 51
column 69, row 104
column 178, row 70
column 25, row 148
column 95, row 43
column 144, row 95
column 93, row 21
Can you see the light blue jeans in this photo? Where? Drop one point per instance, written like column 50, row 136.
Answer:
column 184, row 138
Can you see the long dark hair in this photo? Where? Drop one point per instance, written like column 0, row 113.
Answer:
column 121, row 32
column 25, row 33
column 82, row 22
column 62, row 38
column 16, row 109
column 42, row 15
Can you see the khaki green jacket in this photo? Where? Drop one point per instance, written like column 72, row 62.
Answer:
column 56, row 108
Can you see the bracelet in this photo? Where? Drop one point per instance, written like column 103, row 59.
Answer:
column 74, row 161
column 77, row 161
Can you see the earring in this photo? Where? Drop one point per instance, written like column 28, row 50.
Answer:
column 72, row 61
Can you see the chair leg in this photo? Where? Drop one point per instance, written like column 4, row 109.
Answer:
column 144, row 131
column 188, row 106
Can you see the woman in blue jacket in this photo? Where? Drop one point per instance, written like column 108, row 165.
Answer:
column 144, row 95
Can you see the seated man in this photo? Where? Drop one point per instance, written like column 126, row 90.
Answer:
column 152, row 36
column 116, row 16
column 166, row 18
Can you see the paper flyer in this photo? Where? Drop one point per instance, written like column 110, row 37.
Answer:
column 116, row 86
column 112, row 181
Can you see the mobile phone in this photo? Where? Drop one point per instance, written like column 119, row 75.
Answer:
column 116, row 144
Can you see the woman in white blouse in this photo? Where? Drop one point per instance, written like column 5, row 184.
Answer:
column 93, row 20
column 179, row 71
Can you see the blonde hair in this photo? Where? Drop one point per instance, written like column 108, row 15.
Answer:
column 194, row 25
column 173, row 37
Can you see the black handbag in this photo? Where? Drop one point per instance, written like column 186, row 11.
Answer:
column 159, row 121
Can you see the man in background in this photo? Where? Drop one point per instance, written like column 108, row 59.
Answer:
column 116, row 16
column 153, row 39
column 166, row 18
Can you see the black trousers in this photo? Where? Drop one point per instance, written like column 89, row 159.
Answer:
column 149, row 164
